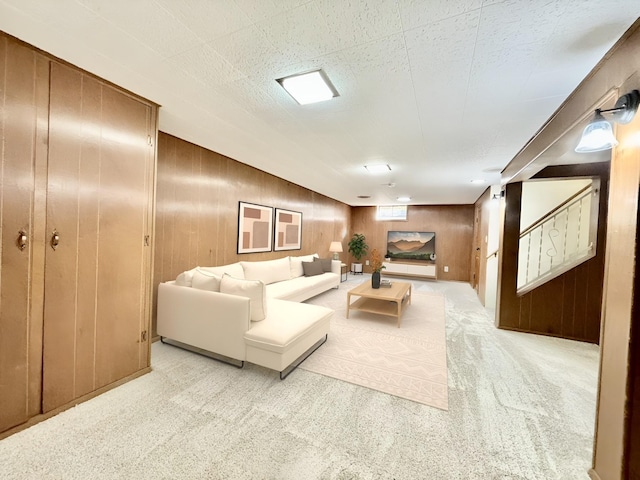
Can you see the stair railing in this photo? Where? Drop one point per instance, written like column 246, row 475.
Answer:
column 561, row 240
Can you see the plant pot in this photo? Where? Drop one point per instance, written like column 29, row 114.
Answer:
column 375, row 280
column 356, row 267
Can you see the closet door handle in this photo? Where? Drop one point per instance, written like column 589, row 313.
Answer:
column 22, row 240
column 55, row 239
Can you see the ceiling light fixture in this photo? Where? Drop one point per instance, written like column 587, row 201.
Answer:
column 381, row 168
column 309, row 87
column 598, row 135
column 404, row 199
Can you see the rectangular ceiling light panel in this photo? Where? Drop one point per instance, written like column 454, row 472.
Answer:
column 309, row 87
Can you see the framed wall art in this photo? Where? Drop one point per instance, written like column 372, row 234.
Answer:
column 255, row 224
column 288, row 230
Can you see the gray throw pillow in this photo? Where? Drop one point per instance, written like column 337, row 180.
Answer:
column 312, row 268
column 326, row 263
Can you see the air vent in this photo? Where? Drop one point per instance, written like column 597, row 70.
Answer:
column 364, row 196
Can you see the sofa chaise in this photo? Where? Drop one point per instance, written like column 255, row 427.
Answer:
column 250, row 311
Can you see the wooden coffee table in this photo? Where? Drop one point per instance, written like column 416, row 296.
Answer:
column 383, row 301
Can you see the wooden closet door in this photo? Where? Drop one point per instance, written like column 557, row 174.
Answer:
column 100, row 173
column 24, row 76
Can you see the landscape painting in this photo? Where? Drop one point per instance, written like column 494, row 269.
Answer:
column 411, row 245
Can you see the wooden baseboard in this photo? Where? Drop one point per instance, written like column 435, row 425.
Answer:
column 410, row 275
column 545, row 334
column 594, row 475
column 45, row 416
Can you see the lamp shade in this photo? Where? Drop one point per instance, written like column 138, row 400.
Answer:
column 597, row 136
column 336, row 247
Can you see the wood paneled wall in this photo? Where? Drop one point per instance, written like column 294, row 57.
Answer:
column 24, row 100
column 197, row 210
column 76, row 203
column 633, row 446
column 100, row 201
column 569, row 305
column 616, row 74
column 613, row 424
column 453, row 225
column 481, row 234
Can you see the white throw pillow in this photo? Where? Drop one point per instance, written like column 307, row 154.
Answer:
column 268, row 271
column 233, row 269
column 204, row 280
column 296, row 264
column 253, row 289
column 185, row 279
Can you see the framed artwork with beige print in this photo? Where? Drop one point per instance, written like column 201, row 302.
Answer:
column 287, row 233
column 255, row 224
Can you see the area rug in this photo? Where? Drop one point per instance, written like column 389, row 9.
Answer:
column 370, row 350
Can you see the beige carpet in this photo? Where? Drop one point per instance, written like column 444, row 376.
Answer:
column 521, row 407
column 369, row 350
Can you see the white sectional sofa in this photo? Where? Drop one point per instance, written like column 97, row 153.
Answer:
column 250, row 311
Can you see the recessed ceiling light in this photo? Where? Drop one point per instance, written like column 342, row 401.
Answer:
column 308, row 87
column 381, row 168
column 404, row 199
column 477, row 180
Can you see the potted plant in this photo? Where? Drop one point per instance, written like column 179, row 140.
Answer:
column 358, row 248
column 376, row 266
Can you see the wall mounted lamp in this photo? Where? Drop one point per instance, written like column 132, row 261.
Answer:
column 598, row 135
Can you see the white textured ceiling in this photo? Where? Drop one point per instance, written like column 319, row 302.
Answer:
column 444, row 91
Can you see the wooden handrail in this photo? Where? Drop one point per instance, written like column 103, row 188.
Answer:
column 494, row 253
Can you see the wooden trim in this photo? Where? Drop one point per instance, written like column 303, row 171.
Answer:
column 544, row 334
column 413, row 275
column 45, row 416
column 594, row 475
column 530, row 167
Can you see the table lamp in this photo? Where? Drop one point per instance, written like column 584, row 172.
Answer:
column 335, row 248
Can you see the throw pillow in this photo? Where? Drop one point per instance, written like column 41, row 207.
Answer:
column 204, row 280
column 296, row 267
column 296, row 264
column 185, row 279
column 326, row 263
column 312, row 268
column 233, row 269
column 269, row 271
column 252, row 289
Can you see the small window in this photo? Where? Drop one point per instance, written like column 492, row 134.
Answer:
column 392, row 212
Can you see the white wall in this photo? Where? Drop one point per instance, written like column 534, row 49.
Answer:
column 493, row 244
column 541, row 196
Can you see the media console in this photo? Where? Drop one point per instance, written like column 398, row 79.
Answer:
column 414, row 269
